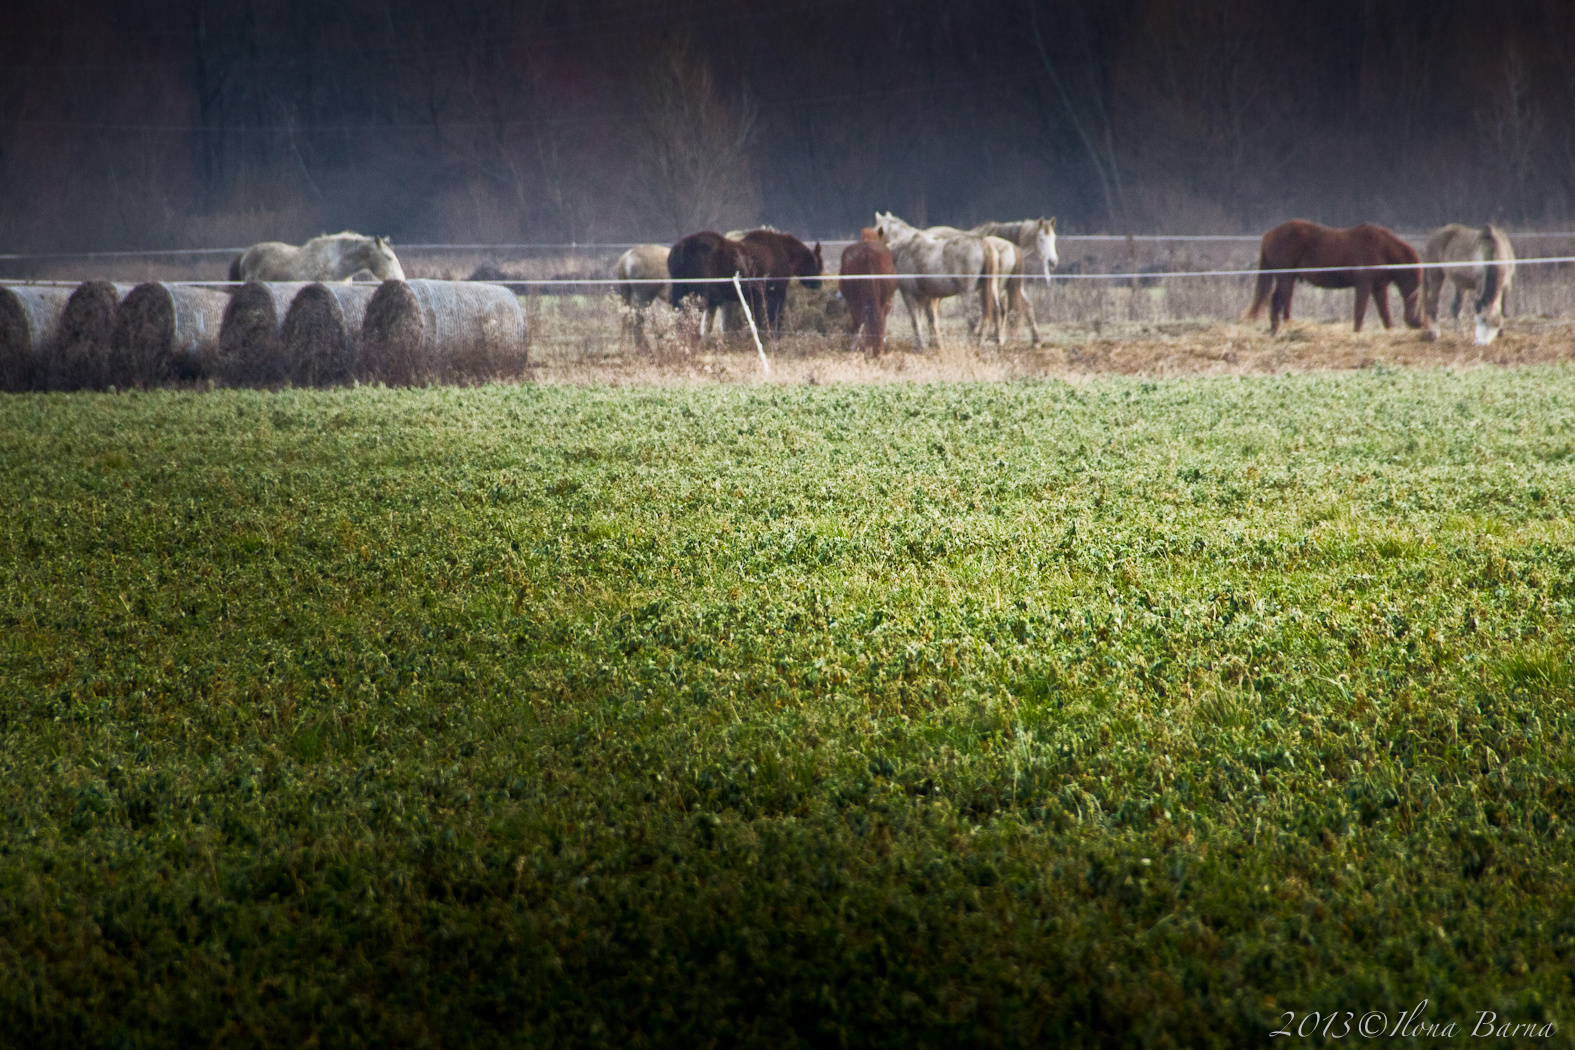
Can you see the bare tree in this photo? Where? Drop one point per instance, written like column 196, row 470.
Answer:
column 692, row 146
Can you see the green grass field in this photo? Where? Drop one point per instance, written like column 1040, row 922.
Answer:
column 1125, row 714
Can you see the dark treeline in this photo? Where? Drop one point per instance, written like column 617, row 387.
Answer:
column 190, row 122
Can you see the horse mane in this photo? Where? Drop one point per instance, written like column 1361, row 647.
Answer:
column 1492, row 270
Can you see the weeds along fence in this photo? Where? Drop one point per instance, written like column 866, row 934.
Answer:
column 100, row 335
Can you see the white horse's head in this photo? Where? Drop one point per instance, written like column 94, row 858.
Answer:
column 1045, row 243
column 382, row 261
column 892, row 229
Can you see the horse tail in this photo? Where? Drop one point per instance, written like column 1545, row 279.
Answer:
column 1265, row 286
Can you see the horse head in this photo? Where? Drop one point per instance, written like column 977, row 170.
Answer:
column 382, row 261
column 892, row 229
column 813, row 266
column 1045, row 242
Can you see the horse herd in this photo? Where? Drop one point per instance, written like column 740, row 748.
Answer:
column 991, row 259
column 926, row 266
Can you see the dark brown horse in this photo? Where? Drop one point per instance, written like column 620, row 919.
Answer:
column 695, row 262
column 1329, row 258
column 782, row 257
column 869, row 300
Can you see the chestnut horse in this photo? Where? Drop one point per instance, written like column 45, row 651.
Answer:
column 868, row 298
column 1368, row 258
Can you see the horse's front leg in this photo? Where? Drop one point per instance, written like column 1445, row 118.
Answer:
column 1381, row 301
column 1363, row 290
column 932, row 309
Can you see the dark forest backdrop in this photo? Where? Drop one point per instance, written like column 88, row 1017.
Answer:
column 126, row 124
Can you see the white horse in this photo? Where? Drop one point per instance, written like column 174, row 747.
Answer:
column 1490, row 278
column 637, row 271
column 1029, row 235
column 331, row 257
column 938, row 266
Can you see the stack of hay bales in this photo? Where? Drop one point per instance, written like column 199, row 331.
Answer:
column 164, row 333
column 29, row 321
column 80, row 359
column 321, row 333
column 420, row 332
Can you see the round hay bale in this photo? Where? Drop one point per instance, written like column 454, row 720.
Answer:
column 165, row 333
column 29, row 322
column 425, row 331
column 321, row 333
column 80, row 358
column 251, row 350
column 476, row 331
column 393, row 337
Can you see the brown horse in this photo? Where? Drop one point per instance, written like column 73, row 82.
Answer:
column 1328, row 258
column 780, row 257
column 695, row 262
column 869, row 300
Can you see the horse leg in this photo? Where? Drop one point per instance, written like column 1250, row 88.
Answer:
column 913, row 315
column 1363, row 290
column 1027, row 308
column 1381, row 300
column 932, row 310
column 1280, row 304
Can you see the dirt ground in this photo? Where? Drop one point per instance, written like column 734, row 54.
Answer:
column 1071, row 352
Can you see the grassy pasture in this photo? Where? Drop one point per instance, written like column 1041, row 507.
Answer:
column 1030, row 714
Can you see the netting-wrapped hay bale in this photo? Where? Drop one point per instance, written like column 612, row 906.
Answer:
column 251, row 352
column 165, row 333
column 79, row 359
column 29, row 321
column 425, row 331
column 321, row 333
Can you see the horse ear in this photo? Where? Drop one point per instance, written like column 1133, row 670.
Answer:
column 1052, row 222
column 380, row 242
column 817, row 250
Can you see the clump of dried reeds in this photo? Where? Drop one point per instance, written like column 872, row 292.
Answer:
column 29, row 322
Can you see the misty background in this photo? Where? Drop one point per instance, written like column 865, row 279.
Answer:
column 220, row 122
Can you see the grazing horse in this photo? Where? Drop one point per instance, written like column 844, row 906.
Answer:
column 868, row 299
column 638, row 271
column 1029, row 235
column 695, row 263
column 331, row 257
column 1489, row 278
column 780, row 257
column 1330, row 258
column 939, row 266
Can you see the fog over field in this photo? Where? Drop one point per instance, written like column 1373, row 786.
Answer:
column 216, row 122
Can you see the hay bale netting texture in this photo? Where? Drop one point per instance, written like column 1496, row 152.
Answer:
column 251, row 352
column 29, row 322
column 321, row 334
column 165, row 333
column 435, row 331
column 79, row 359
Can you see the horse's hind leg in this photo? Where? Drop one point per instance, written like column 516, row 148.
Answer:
column 1280, row 305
